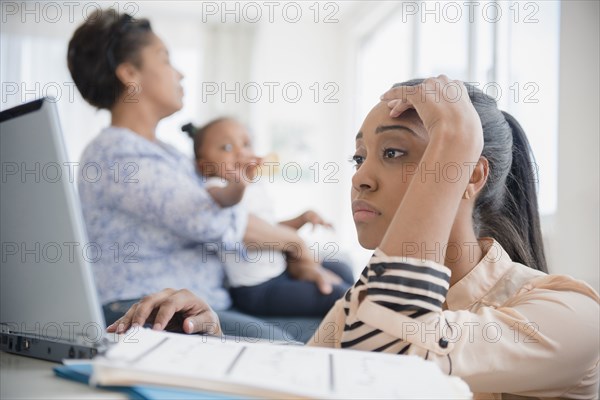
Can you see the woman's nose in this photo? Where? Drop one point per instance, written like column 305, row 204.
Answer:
column 364, row 178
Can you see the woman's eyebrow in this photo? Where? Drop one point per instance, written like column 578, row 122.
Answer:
column 384, row 128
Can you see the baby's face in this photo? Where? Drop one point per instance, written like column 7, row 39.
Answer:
column 225, row 146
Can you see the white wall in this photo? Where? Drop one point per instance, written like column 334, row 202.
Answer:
column 574, row 245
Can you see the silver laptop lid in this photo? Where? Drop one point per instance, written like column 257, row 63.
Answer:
column 47, row 287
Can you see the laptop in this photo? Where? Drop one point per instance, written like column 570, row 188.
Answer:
column 49, row 307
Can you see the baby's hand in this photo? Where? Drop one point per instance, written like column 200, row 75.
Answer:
column 252, row 169
column 312, row 217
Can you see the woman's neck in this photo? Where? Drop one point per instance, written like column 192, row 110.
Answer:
column 136, row 118
column 463, row 252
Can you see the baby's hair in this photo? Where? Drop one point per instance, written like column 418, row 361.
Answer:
column 190, row 129
column 197, row 134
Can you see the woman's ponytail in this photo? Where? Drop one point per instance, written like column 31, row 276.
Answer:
column 520, row 203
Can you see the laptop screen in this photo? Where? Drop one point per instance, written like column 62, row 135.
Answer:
column 47, row 287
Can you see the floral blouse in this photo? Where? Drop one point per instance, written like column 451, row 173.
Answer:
column 150, row 222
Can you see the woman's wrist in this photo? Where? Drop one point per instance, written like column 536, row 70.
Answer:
column 462, row 143
column 426, row 214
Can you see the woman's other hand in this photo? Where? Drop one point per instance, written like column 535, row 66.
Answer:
column 178, row 310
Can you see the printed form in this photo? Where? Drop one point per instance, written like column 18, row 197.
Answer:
column 265, row 369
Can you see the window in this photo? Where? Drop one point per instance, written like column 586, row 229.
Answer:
column 510, row 49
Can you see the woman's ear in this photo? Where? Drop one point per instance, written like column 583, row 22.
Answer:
column 478, row 179
column 128, row 74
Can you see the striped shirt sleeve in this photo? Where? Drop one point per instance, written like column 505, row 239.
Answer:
column 387, row 287
column 406, row 284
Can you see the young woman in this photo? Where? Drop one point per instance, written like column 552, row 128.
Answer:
column 145, row 205
column 444, row 194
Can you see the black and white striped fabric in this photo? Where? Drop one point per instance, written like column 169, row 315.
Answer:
column 404, row 285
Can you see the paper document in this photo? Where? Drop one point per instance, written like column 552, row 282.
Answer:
column 270, row 370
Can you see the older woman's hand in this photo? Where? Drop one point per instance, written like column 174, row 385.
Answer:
column 178, row 310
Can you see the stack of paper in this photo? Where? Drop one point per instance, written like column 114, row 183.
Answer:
column 270, row 370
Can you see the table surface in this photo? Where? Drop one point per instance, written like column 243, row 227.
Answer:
column 27, row 378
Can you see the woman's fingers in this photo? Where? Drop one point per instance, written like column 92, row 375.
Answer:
column 167, row 304
column 139, row 312
column 199, row 316
column 166, row 311
column 443, row 105
column 398, row 93
column 121, row 325
column 400, row 98
column 398, row 107
column 206, row 322
column 147, row 305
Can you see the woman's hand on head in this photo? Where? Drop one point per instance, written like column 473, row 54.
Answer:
column 444, row 107
column 178, row 310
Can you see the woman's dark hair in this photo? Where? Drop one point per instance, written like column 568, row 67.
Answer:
column 197, row 134
column 506, row 208
column 98, row 46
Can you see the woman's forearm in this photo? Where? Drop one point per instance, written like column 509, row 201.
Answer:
column 423, row 221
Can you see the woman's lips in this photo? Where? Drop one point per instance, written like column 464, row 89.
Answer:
column 362, row 211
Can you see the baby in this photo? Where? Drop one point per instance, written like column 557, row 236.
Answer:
column 260, row 283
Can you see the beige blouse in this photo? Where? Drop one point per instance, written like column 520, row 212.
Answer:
column 504, row 328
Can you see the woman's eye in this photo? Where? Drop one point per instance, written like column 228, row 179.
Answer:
column 393, row 153
column 357, row 160
column 228, row 147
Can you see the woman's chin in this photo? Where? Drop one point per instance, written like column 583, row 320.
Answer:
column 367, row 242
column 171, row 109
